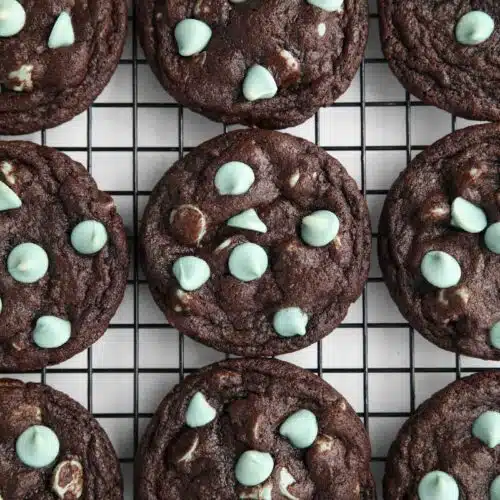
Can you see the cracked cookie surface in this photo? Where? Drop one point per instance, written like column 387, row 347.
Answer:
column 250, row 399
column 447, row 434
column 86, row 466
column 419, row 39
column 44, row 196
column 420, row 216
column 311, row 54
column 285, row 179
column 44, row 86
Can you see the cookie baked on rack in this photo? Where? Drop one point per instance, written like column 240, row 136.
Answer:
column 256, row 243
column 439, row 242
column 56, row 57
column 445, row 53
column 254, row 428
column 52, row 448
column 448, row 447
column 272, row 64
column 64, row 257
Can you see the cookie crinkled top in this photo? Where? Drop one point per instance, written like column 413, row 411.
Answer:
column 256, row 243
column 63, row 254
column 56, row 57
column 446, row 53
column 254, row 429
column 51, row 448
column 269, row 63
column 448, row 448
column 439, row 244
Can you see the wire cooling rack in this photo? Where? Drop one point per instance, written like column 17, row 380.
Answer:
column 131, row 135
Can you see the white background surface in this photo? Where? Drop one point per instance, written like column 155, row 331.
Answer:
column 379, row 367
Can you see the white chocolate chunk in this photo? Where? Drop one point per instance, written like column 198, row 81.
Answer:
column 199, row 9
column 61, row 486
column 24, row 76
column 440, row 211
column 259, row 493
column 321, row 29
column 286, row 480
column 223, row 245
column 7, row 171
column 323, row 443
column 464, row 294
column 294, row 179
column 202, row 219
column 291, row 62
column 188, row 456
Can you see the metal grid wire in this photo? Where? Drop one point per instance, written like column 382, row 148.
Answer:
column 136, row 281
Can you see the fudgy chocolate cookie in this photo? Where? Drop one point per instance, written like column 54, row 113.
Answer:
column 268, row 63
column 448, row 449
column 439, row 243
column 52, row 447
column 64, row 257
column 445, row 53
column 256, row 243
column 254, row 428
column 56, row 57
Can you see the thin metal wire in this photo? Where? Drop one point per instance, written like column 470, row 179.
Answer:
column 90, row 373
column 366, row 376
column 135, row 186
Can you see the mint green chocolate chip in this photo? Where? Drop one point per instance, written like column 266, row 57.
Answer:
column 290, row 321
column 248, row 262
column 253, row 467
column 89, row 237
column 492, row 238
column 12, row 18
column 474, row 28
column 486, row 428
column 249, row 219
column 300, row 428
column 440, row 269
column 27, row 263
column 191, row 272
column 259, row 83
column 62, row 34
column 438, row 485
column 328, row 5
column 51, row 332
column 320, row 228
column 234, row 178
column 199, row 412
column 37, row 446
column 495, row 489
column 467, row 216
column 495, row 335
column 8, row 199
column 192, row 36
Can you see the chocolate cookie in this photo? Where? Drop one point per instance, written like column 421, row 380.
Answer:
column 52, row 447
column 64, row 257
column 254, row 428
column 445, row 53
column 256, row 243
column 56, row 57
column 448, row 449
column 439, row 244
column 270, row 63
